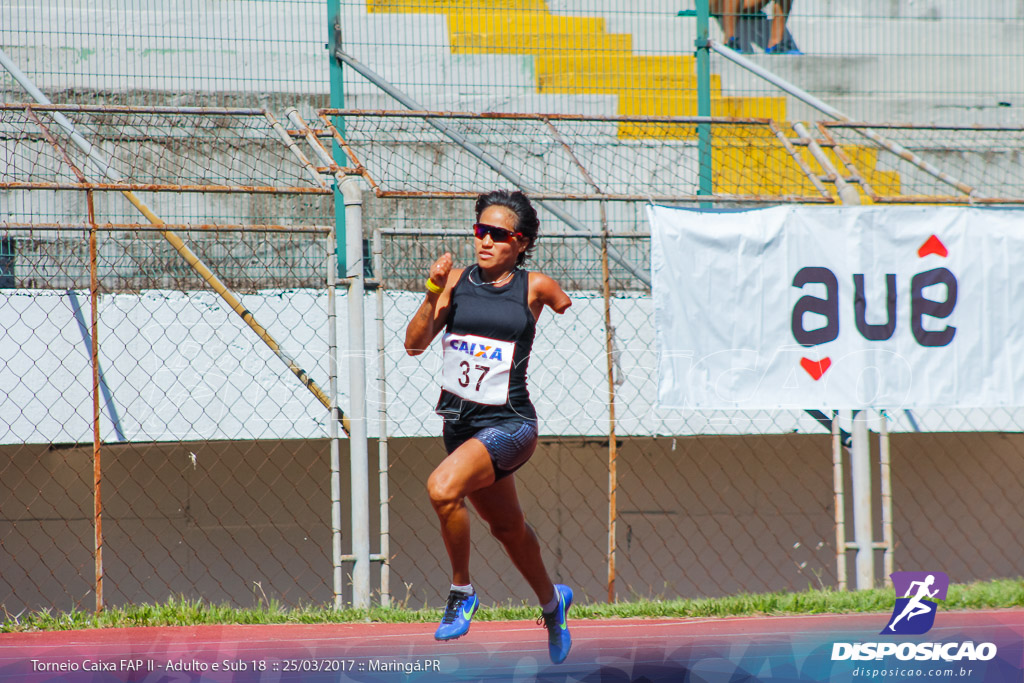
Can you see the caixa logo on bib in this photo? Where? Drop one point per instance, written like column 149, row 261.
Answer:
column 924, row 311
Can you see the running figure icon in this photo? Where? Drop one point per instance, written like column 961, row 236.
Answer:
column 915, row 607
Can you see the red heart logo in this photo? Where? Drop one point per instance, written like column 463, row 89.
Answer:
column 933, row 245
column 816, row 368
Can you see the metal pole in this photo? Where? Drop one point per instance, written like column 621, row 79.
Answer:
column 886, row 487
column 609, row 340
column 358, row 449
column 863, row 522
column 332, row 360
column 382, row 413
column 704, row 102
column 288, row 142
column 359, row 484
column 97, row 470
column 337, row 80
column 847, row 193
column 840, row 501
column 87, row 335
column 613, row 477
column 495, row 165
column 777, row 81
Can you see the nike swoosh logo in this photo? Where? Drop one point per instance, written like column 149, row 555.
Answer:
column 469, row 615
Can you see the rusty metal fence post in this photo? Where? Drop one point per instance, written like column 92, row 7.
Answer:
column 97, row 474
column 609, row 339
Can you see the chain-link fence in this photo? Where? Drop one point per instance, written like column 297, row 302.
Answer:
column 695, row 516
column 125, row 376
column 706, row 503
column 184, row 465
column 153, row 441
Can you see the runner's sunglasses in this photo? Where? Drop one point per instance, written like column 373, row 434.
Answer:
column 482, row 230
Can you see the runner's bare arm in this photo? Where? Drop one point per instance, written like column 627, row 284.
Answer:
column 546, row 292
column 430, row 318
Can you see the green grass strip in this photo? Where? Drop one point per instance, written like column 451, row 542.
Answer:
column 181, row 611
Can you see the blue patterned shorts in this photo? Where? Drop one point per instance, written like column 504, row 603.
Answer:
column 509, row 444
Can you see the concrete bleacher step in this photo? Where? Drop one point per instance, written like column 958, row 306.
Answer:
column 617, row 74
column 532, row 32
column 469, row 42
column 444, row 6
column 884, row 183
column 774, row 172
column 634, row 104
column 894, row 88
column 777, row 174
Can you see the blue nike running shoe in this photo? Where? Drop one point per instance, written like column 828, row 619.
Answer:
column 781, row 49
column 457, row 613
column 559, row 640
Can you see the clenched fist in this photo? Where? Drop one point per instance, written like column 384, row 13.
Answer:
column 439, row 270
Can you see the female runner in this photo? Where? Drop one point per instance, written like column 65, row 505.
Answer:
column 489, row 315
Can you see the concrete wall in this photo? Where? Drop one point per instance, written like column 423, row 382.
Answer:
column 240, row 514
column 698, row 516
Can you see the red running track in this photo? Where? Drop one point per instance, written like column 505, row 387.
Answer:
column 786, row 648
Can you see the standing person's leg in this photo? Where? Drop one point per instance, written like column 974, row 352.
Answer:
column 744, row 23
column 468, row 468
column 498, row 505
column 728, row 10
column 778, row 30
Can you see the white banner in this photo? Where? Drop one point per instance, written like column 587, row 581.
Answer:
column 839, row 308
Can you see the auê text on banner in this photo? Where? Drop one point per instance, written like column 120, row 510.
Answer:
column 838, row 308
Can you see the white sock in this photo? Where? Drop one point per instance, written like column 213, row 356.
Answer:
column 551, row 606
column 465, row 590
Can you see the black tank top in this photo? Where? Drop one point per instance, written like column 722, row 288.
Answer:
column 484, row 322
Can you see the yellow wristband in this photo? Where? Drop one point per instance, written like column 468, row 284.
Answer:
column 431, row 287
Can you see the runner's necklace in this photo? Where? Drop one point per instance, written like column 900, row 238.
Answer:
column 492, row 282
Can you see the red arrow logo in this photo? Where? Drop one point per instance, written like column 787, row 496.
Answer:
column 933, row 245
column 816, row 368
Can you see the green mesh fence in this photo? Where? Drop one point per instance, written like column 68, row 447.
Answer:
column 934, row 61
column 927, row 62
column 158, row 53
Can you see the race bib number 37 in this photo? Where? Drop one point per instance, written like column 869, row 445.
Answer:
column 477, row 368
